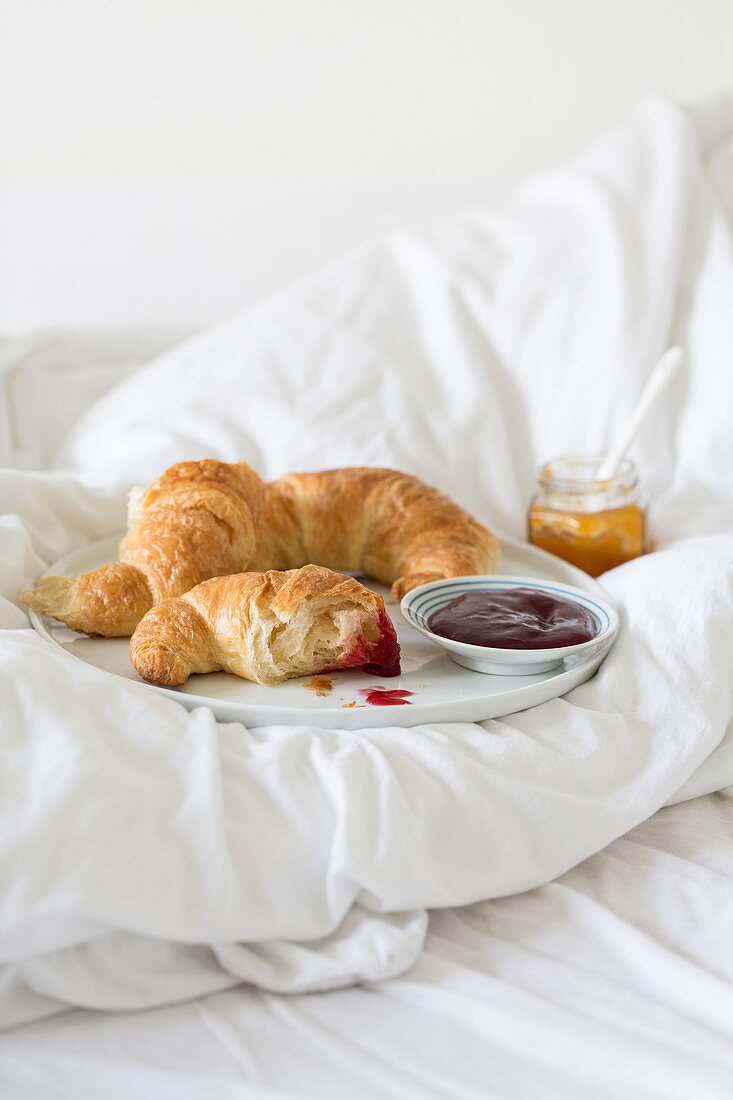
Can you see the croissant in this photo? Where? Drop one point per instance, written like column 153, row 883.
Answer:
column 383, row 523
column 208, row 518
column 199, row 520
column 267, row 627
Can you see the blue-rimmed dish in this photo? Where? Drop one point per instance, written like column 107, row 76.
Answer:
column 419, row 604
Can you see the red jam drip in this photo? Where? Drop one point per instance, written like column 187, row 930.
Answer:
column 380, row 658
column 517, row 618
column 386, row 697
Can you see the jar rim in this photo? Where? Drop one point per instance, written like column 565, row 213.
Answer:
column 574, row 474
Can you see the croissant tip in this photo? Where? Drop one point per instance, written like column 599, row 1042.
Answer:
column 405, row 584
column 48, row 595
column 160, row 666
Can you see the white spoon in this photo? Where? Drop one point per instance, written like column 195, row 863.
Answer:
column 661, row 376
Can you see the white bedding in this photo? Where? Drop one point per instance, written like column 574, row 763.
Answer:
column 150, row 856
column 614, row 981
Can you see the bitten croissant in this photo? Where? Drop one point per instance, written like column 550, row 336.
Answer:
column 267, row 627
column 385, row 524
column 206, row 519
column 199, row 520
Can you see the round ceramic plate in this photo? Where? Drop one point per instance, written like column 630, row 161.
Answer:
column 440, row 690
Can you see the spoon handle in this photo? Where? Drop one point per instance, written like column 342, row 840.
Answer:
column 661, row 376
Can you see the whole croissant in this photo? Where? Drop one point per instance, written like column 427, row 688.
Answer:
column 199, row 520
column 379, row 522
column 267, row 627
column 209, row 518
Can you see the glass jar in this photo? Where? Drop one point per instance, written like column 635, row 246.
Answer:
column 595, row 525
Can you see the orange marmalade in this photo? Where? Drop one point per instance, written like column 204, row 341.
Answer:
column 595, row 525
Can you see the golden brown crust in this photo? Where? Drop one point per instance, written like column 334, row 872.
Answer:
column 110, row 600
column 209, row 518
column 198, row 520
column 380, row 522
column 267, row 627
column 171, row 642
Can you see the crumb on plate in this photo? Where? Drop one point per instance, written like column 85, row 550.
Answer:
column 321, row 685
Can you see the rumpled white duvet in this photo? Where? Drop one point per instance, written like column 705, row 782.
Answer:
column 149, row 855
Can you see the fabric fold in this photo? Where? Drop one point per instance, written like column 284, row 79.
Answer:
column 306, row 858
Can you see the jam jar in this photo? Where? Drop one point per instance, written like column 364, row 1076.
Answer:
column 593, row 524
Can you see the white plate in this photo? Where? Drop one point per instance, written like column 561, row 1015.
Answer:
column 443, row 691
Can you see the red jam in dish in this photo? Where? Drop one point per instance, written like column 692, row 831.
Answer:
column 380, row 658
column 386, row 697
column 516, row 618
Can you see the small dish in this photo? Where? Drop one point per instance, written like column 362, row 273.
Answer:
column 419, row 604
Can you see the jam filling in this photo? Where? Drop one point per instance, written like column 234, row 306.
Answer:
column 517, row 618
column 380, row 658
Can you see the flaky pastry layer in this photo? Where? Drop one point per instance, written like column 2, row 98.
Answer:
column 267, row 627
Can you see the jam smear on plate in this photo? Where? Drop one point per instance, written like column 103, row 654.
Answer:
column 386, row 697
column 514, row 618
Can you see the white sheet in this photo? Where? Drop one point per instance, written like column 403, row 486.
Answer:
column 613, row 981
column 144, row 830
column 49, row 378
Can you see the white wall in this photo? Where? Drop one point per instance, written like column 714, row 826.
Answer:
column 168, row 161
